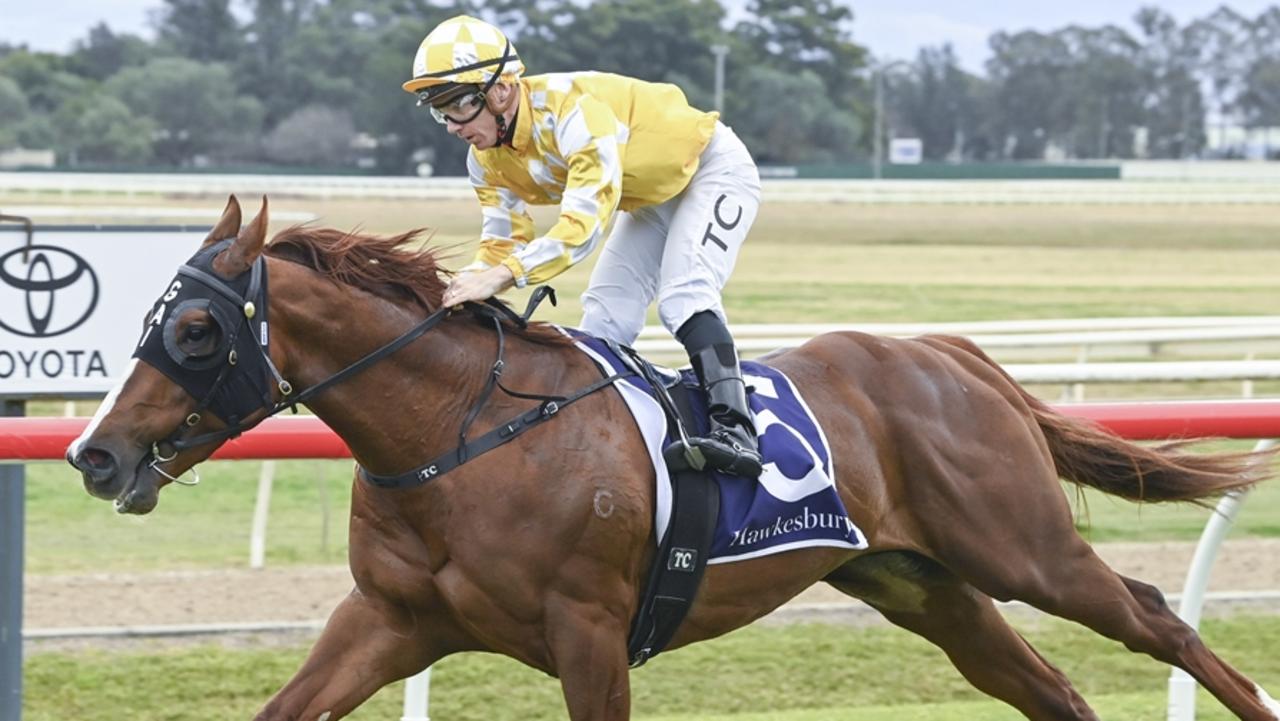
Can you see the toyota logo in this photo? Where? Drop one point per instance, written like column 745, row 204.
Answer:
column 59, row 288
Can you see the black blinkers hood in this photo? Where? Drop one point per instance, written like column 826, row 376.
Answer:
column 233, row 381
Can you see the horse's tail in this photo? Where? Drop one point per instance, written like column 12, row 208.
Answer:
column 1087, row 455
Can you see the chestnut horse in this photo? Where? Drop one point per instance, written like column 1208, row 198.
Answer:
column 539, row 548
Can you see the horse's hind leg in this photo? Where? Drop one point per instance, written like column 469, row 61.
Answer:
column 1135, row 614
column 919, row 595
column 1178, row 644
column 1050, row 567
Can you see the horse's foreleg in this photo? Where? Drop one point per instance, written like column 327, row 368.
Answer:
column 589, row 648
column 366, row 645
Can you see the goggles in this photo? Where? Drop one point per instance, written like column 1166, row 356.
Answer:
column 461, row 110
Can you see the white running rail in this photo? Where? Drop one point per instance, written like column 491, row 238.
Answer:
column 759, row 339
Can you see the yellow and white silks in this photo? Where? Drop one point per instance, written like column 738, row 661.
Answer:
column 680, row 185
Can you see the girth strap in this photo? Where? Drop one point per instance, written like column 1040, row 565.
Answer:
column 681, row 560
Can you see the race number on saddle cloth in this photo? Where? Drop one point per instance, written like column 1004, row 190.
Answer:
column 794, row 503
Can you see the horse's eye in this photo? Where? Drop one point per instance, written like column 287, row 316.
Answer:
column 199, row 338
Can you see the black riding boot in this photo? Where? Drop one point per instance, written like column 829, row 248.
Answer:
column 731, row 444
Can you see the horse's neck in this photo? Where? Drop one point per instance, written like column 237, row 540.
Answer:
column 409, row 407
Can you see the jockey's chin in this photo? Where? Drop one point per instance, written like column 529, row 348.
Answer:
column 481, row 141
column 481, row 132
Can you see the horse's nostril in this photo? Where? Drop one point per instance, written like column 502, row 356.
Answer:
column 96, row 462
column 96, row 458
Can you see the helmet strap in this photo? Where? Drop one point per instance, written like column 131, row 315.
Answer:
column 503, row 130
column 506, row 130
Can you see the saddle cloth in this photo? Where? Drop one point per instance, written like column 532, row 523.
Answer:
column 793, row 505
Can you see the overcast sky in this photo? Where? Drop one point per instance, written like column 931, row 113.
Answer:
column 893, row 29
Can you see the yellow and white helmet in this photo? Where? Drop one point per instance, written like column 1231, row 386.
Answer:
column 462, row 51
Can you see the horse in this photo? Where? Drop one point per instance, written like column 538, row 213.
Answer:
column 538, row 549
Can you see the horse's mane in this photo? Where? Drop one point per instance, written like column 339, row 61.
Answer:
column 387, row 266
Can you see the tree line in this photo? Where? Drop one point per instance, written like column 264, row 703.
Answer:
column 315, row 83
column 1100, row 92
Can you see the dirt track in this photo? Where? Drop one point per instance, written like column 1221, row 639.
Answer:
column 310, row 593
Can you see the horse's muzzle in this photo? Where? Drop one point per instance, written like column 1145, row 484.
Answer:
column 101, row 471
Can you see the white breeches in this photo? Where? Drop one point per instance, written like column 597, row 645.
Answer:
column 680, row 252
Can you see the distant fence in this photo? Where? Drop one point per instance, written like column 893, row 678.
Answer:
column 1014, row 192
column 1232, row 171
column 1096, row 192
column 136, row 213
column 949, row 171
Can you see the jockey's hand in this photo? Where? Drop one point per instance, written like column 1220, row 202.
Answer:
column 478, row 286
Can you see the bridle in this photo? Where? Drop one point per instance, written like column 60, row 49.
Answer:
column 234, row 381
column 241, row 388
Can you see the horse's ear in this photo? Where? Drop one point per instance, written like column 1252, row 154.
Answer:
column 228, row 225
column 248, row 246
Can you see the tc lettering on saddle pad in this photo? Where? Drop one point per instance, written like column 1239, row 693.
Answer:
column 793, row 505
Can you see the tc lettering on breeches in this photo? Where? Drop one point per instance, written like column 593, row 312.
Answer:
column 680, row 253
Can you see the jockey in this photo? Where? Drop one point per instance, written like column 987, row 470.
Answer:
column 673, row 189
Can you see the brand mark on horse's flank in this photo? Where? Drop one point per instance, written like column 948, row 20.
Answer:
column 603, row 503
column 38, row 285
column 682, row 559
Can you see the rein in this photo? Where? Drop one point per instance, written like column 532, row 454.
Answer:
column 253, row 301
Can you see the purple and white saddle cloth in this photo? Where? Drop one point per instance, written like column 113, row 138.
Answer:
column 793, row 505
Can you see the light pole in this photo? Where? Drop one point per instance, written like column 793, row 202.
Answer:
column 720, row 51
column 877, row 142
